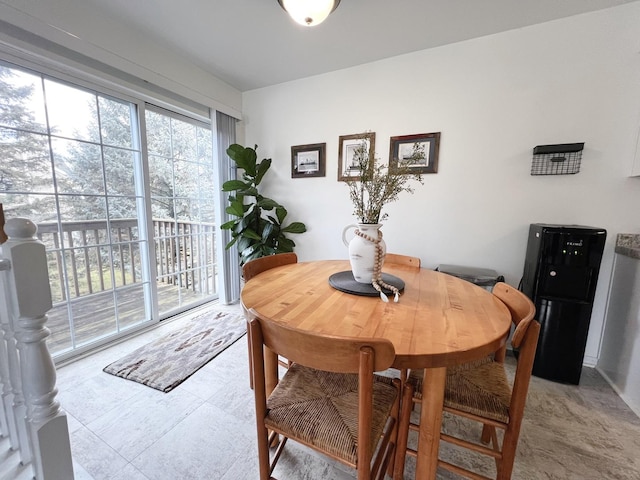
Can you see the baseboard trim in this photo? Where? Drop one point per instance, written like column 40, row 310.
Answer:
column 630, row 403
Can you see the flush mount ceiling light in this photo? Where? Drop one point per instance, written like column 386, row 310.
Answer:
column 309, row 12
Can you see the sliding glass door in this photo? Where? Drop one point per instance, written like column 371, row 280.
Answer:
column 129, row 236
column 181, row 179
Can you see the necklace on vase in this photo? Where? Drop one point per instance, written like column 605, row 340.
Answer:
column 377, row 281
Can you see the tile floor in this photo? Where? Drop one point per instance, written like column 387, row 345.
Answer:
column 203, row 430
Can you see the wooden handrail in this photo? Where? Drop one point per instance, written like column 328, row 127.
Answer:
column 3, row 236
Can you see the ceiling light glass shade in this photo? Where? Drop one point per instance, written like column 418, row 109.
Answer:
column 309, row 12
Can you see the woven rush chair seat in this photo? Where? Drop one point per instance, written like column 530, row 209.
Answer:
column 480, row 388
column 320, row 409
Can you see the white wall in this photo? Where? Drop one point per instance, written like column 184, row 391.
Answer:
column 619, row 358
column 493, row 99
column 75, row 25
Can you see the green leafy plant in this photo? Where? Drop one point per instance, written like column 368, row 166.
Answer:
column 378, row 184
column 256, row 233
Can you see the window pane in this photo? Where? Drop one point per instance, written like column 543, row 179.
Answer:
column 115, row 121
column 21, row 94
column 162, row 208
column 123, row 207
column 84, row 268
column 76, row 208
column 205, row 145
column 124, row 258
column 158, row 134
column 206, row 211
column 207, row 215
column 49, row 235
column 205, row 181
column 124, row 230
column 183, row 140
column 120, row 171
column 78, row 166
column 130, row 308
column 26, row 163
column 186, row 179
column 55, row 276
column 59, row 324
column 72, row 112
column 93, row 322
column 187, row 209
column 160, row 176
column 37, row 208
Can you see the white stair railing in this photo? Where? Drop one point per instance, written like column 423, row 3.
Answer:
column 35, row 424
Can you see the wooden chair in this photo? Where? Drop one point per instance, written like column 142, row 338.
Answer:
column 329, row 399
column 259, row 265
column 395, row 258
column 480, row 391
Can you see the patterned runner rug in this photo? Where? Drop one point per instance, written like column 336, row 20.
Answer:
column 168, row 361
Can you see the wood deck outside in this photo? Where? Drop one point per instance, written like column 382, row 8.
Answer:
column 94, row 316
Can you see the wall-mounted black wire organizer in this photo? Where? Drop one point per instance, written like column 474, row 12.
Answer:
column 561, row 159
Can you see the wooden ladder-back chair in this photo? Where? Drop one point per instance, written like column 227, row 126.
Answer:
column 259, row 265
column 329, row 399
column 405, row 260
column 394, row 258
column 480, row 391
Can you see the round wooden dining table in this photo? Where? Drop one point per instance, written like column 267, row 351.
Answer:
column 439, row 321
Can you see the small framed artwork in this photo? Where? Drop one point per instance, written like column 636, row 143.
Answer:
column 308, row 160
column 418, row 152
column 349, row 145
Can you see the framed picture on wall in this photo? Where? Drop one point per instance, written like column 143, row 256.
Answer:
column 347, row 154
column 308, row 160
column 417, row 152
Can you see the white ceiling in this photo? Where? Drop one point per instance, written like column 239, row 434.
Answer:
column 253, row 43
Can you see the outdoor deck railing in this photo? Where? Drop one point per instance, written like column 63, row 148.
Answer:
column 183, row 249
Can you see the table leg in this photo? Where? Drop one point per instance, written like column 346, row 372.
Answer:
column 270, row 377
column 430, row 422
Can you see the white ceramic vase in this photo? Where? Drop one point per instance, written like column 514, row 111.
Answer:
column 362, row 252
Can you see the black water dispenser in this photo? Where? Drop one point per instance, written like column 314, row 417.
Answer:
column 560, row 276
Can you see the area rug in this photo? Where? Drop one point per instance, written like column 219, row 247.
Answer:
column 168, row 361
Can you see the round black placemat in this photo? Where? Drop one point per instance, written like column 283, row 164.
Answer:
column 345, row 282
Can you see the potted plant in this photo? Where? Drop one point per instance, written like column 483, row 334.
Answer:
column 374, row 187
column 256, row 233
